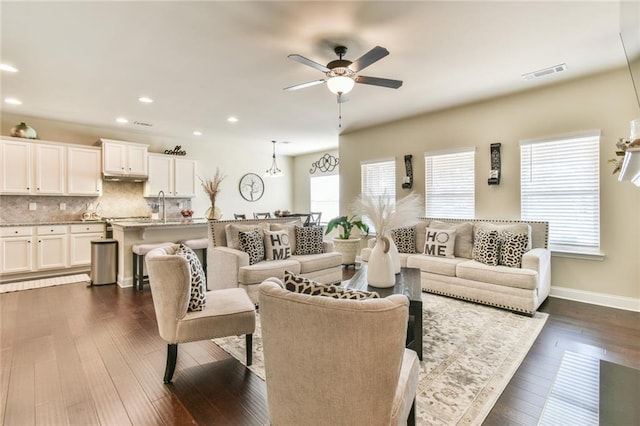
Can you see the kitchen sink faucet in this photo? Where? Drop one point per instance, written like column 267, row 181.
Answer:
column 164, row 208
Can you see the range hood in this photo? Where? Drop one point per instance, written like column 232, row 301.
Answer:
column 113, row 177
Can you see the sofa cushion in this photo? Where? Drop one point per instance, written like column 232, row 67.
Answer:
column 405, row 239
column 512, row 247
column 421, row 228
column 486, row 246
column 435, row 265
column 499, row 275
column 255, row 274
column 464, row 236
column 439, row 242
column 232, row 232
column 277, row 245
column 516, row 228
column 318, row 262
column 252, row 243
column 290, row 227
column 308, row 240
column 198, row 293
column 299, row 284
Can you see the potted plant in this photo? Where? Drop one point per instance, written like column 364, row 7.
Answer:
column 343, row 243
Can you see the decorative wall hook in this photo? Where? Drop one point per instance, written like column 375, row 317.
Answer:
column 326, row 163
column 494, row 174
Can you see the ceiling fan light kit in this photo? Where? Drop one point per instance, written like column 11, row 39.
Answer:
column 340, row 85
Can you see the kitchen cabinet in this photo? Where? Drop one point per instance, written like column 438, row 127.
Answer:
column 80, row 237
column 175, row 176
column 124, row 159
column 84, row 171
column 50, row 167
column 32, row 168
column 16, row 176
column 51, row 247
column 16, row 249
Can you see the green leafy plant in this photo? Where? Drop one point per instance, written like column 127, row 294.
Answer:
column 347, row 224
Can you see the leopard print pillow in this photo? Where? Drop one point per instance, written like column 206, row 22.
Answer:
column 405, row 239
column 298, row 284
column 512, row 247
column 486, row 247
column 198, row 296
column 309, row 240
column 251, row 243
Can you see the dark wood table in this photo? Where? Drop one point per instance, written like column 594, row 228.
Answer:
column 407, row 283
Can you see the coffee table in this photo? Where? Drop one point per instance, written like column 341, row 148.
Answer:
column 407, row 283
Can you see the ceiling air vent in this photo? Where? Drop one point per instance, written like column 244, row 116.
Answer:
column 142, row 123
column 547, row 71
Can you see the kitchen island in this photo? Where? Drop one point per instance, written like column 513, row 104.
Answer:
column 130, row 233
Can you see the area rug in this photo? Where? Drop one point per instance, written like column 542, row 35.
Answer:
column 44, row 282
column 470, row 353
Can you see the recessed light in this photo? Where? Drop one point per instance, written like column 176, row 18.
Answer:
column 232, row 119
column 13, row 101
column 197, row 133
column 122, row 120
column 145, row 99
column 8, row 68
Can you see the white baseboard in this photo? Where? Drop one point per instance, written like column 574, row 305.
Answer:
column 603, row 299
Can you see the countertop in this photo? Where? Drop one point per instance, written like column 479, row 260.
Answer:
column 159, row 223
column 49, row 222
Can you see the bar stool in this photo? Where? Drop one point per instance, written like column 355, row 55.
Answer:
column 199, row 244
column 139, row 251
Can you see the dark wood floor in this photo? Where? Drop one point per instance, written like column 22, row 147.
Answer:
column 84, row 356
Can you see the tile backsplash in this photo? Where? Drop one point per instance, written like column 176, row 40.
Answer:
column 119, row 199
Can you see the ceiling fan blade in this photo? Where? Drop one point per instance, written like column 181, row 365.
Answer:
column 303, row 85
column 368, row 58
column 376, row 81
column 309, row 62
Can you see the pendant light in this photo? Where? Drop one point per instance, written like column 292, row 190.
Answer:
column 273, row 171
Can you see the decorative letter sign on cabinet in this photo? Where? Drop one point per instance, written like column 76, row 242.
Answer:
column 123, row 159
column 49, row 168
column 175, row 176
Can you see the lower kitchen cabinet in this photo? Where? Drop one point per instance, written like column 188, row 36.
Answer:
column 80, row 237
column 27, row 249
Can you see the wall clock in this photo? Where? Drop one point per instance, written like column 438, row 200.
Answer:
column 251, row 187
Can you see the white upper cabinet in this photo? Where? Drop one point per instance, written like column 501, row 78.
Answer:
column 32, row 168
column 175, row 176
column 17, row 172
column 84, row 171
column 123, row 159
column 50, row 165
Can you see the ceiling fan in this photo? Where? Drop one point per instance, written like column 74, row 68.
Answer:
column 343, row 74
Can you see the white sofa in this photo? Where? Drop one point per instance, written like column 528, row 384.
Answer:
column 229, row 267
column 520, row 289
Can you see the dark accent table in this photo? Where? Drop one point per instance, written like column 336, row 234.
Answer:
column 407, row 283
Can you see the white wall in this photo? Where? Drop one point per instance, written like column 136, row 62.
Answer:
column 227, row 150
column 604, row 102
column 302, row 181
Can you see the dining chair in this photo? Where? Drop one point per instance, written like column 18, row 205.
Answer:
column 314, row 218
column 266, row 215
column 239, row 216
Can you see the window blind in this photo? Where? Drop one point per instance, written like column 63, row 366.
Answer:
column 560, row 183
column 450, row 184
column 378, row 178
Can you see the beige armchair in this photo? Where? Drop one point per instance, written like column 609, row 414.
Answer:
column 228, row 312
column 337, row 361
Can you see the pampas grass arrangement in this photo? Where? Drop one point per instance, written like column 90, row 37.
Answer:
column 384, row 215
column 212, row 186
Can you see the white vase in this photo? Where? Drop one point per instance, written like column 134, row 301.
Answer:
column 395, row 256
column 380, row 267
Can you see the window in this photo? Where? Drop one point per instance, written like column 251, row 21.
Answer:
column 325, row 196
column 378, row 178
column 560, row 181
column 450, row 183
